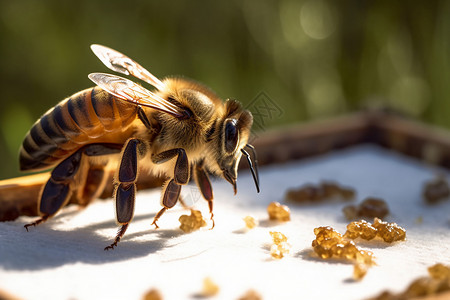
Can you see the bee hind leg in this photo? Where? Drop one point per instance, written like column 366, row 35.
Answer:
column 54, row 196
column 62, row 183
column 37, row 222
column 93, row 176
column 57, row 190
column 92, row 186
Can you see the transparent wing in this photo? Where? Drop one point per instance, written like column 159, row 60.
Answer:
column 132, row 92
column 121, row 63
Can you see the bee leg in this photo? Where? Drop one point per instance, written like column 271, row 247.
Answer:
column 181, row 173
column 125, row 196
column 173, row 187
column 169, row 199
column 204, row 184
column 126, row 190
column 119, row 235
column 93, row 186
column 37, row 222
column 94, row 173
column 158, row 215
column 58, row 189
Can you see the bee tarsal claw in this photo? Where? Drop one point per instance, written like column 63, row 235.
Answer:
column 156, row 225
column 110, row 247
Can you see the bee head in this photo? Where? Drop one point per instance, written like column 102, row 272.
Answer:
column 234, row 131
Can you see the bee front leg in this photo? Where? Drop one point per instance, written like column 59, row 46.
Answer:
column 126, row 189
column 204, row 184
column 181, row 176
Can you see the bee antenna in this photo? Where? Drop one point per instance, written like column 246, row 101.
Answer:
column 254, row 170
column 255, row 158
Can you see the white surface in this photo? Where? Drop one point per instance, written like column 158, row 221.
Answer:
column 64, row 258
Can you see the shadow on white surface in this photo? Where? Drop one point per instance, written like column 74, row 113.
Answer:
column 44, row 247
column 67, row 252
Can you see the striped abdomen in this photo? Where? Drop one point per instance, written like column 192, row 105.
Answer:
column 89, row 116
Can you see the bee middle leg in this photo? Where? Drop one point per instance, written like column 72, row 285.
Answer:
column 181, row 177
column 125, row 192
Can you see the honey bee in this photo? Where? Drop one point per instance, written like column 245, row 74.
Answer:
column 182, row 129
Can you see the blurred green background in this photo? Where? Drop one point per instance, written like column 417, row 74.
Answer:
column 313, row 58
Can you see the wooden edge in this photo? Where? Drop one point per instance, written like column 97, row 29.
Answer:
column 7, row 296
column 406, row 136
column 19, row 196
column 440, row 296
column 424, row 142
column 300, row 141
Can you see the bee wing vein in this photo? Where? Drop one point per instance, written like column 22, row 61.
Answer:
column 132, row 92
column 121, row 63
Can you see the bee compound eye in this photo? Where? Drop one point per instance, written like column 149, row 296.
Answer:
column 231, row 135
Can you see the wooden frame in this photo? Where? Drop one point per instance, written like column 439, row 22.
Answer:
column 19, row 196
